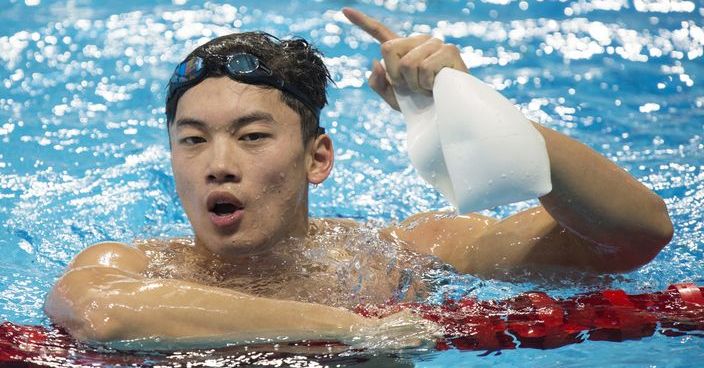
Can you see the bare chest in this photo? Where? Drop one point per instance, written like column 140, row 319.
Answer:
column 340, row 276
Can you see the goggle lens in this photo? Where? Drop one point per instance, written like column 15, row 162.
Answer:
column 242, row 63
column 187, row 71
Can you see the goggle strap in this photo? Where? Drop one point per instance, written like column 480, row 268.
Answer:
column 193, row 69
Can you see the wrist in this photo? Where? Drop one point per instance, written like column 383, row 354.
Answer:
column 403, row 329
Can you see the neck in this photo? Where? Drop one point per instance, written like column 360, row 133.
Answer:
column 279, row 246
column 299, row 227
column 275, row 259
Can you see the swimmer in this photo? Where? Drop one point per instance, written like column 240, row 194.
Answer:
column 243, row 124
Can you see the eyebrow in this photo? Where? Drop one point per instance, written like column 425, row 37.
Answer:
column 234, row 124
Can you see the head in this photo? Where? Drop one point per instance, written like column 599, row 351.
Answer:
column 244, row 148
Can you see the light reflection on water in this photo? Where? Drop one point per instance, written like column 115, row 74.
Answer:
column 84, row 153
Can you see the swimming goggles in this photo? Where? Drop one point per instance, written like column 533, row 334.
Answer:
column 241, row 66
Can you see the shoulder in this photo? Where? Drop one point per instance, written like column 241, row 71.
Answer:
column 111, row 254
column 322, row 225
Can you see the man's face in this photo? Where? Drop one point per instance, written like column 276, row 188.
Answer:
column 240, row 166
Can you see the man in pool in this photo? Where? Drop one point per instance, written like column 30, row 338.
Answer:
column 242, row 115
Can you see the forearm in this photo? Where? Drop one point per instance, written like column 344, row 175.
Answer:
column 115, row 306
column 599, row 201
column 177, row 309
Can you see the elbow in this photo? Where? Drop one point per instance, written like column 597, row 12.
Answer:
column 641, row 247
column 667, row 227
column 662, row 229
column 81, row 310
column 98, row 322
column 657, row 235
column 95, row 322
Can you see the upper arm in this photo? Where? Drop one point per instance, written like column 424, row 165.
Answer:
column 531, row 239
column 441, row 234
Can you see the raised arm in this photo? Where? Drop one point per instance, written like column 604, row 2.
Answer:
column 597, row 216
column 103, row 297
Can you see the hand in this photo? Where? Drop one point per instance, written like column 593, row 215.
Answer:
column 400, row 330
column 411, row 62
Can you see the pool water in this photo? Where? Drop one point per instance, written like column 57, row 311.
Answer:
column 84, row 153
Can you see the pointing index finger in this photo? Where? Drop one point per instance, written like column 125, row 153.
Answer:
column 370, row 25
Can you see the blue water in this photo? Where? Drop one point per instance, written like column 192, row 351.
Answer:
column 84, row 153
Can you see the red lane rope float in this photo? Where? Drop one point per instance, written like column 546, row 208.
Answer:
column 533, row 320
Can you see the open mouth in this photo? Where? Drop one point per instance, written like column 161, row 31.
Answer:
column 224, row 208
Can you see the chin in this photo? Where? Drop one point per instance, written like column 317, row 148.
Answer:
column 235, row 248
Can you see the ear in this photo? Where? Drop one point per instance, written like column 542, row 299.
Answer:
column 320, row 159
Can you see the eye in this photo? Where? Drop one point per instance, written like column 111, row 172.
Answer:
column 253, row 137
column 192, row 140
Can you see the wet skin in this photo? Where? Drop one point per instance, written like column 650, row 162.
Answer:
column 242, row 145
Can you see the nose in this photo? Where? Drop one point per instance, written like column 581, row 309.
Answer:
column 223, row 166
